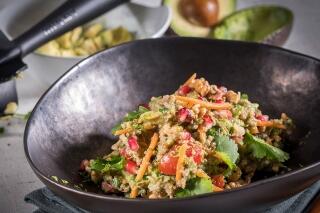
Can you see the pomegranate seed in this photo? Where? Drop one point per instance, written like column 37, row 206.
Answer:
column 219, row 101
column 184, row 90
column 189, row 152
column 197, row 158
column 83, row 165
column 194, row 151
column 208, row 122
column 183, row 115
column 185, row 135
column 133, row 143
column 131, row 167
column 262, row 117
column 106, row 187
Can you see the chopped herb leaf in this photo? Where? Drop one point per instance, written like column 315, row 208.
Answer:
column 260, row 149
column 226, row 159
column 195, row 186
column 104, row 166
column 55, row 178
column 1, row 130
column 64, row 181
column 116, row 128
column 135, row 114
column 227, row 150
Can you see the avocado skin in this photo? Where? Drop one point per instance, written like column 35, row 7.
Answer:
column 266, row 24
column 182, row 27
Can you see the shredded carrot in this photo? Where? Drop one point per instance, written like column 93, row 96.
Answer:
column 216, row 188
column 271, row 124
column 145, row 162
column 146, row 158
column 200, row 173
column 134, row 192
column 182, row 156
column 122, row 131
column 194, row 75
column 206, row 104
column 185, row 104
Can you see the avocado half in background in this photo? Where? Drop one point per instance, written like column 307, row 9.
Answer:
column 183, row 27
column 266, row 24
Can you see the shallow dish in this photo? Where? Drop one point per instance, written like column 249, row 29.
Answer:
column 143, row 22
column 73, row 120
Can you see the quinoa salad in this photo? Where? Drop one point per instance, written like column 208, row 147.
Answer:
column 201, row 139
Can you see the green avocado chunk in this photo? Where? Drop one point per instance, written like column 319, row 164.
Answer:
column 253, row 24
column 182, row 27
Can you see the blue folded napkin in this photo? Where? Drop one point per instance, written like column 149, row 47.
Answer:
column 47, row 202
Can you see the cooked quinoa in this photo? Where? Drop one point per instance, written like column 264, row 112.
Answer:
column 201, row 139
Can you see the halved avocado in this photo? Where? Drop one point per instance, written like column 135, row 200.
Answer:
column 182, row 27
column 257, row 24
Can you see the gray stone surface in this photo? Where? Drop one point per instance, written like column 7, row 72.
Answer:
column 17, row 178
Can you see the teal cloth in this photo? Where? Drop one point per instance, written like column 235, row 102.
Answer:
column 47, row 202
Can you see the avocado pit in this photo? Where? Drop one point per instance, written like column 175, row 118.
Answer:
column 200, row 12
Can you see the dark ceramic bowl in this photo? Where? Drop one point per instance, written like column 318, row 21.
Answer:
column 73, row 119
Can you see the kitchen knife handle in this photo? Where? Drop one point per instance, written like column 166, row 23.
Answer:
column 66, row 17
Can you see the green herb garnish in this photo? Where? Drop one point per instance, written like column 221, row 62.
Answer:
column 55, row 178
column 102, row 165
column 260, row 149
column 116, row 128
column 227, row 150
column 195, row 186
column 135, row 114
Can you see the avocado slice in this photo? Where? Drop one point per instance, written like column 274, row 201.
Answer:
column 182, row 27
column 256, row 24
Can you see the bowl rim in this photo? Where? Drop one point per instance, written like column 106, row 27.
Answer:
column 73, row 69
column 157, row 34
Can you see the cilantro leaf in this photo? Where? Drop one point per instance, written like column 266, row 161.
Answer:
column 260, row 149
column 227, row 150
column 104, row 166
column 226, row 159
column 195, row 186
column 135, row 114
column 116, row 128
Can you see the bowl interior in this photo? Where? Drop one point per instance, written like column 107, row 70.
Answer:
column 74, row 118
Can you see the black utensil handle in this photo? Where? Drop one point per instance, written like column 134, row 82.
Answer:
column 66, row 17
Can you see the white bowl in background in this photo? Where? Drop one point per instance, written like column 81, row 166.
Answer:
column 144, row 22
